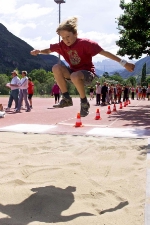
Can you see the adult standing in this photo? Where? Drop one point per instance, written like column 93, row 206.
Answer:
column 119, row 91
column 14, row 93
column 56, row 92
column 104, row 91
column 143, row 92
column 125, row 93
column 30, row 91
column 98, row 92
column 148, row 92
column 139, row 92
column 136, row 91
column 132, row 92
column 23, row 92
column 91, row 93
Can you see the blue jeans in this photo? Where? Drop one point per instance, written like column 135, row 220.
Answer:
column 23, row 95
column 14, row 95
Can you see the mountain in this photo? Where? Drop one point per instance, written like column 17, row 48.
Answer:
column 108, row 65
column 138, row 68
column 15, row 53
column 111, row 66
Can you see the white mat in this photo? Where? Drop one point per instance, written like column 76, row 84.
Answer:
column 29, row 128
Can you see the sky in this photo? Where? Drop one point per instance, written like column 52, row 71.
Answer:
column 35, row 21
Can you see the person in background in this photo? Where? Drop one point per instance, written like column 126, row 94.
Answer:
column 132, row 92
column 115, row 94
column 30, row 91
column 110, row 93
column 14, row 93
column 107, row 100
column 23, row 93
column 104, row 92
column 98, row 93
column 139, row 92
column 148, row 92
column 91, row 93
column 56, row 92
column 125, row 93
column 78, row 53
column 143, row 92
column 136, row 91
column 119, row 91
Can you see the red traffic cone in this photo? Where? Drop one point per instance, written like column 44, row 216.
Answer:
column 114, row 108
column 78, row 121
column 124, row 104
column 97, row 117
column 120, row 105
column 109, row 110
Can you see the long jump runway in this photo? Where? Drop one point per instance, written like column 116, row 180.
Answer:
column 132, row 121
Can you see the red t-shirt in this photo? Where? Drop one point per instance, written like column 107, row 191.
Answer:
column 30, row 88
column 79, row 55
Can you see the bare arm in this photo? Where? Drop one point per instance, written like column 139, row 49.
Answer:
column 14, row 85
column 128, row 66
column 44, row 51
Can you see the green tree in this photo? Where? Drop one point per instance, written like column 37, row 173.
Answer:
column 148, row 80
column 3, row 81
column 134, row 28
column 117, row 77
column 49, row 84
column 143, row 78
column 131, row 81
column 106, row 74
column 40, row 75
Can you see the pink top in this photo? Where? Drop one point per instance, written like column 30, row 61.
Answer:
column 55, row 89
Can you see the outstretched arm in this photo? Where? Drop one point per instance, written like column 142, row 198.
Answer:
column 44, row 51
column 124, row 63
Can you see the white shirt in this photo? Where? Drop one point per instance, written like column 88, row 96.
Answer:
column 98, row 89
column 24, row 83
column 15, row 80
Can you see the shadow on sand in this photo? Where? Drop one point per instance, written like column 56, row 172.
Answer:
column 45, row 205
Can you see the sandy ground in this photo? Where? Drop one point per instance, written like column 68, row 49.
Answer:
column 72, row 180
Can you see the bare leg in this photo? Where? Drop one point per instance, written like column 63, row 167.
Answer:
column 30, row 101
column 77, row 80
column 60, row 73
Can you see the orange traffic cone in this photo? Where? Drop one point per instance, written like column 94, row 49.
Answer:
column 124, row 104
column 97, row 117
column 78, row 121
column 109, row 110
column 114, row 108
column 120, row 105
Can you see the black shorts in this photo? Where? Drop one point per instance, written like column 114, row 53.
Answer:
column 30, row 96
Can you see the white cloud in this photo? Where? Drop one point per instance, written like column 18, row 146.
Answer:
column 39, row 43
column 8, row 7
column 35, row 21
column 30, row 11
